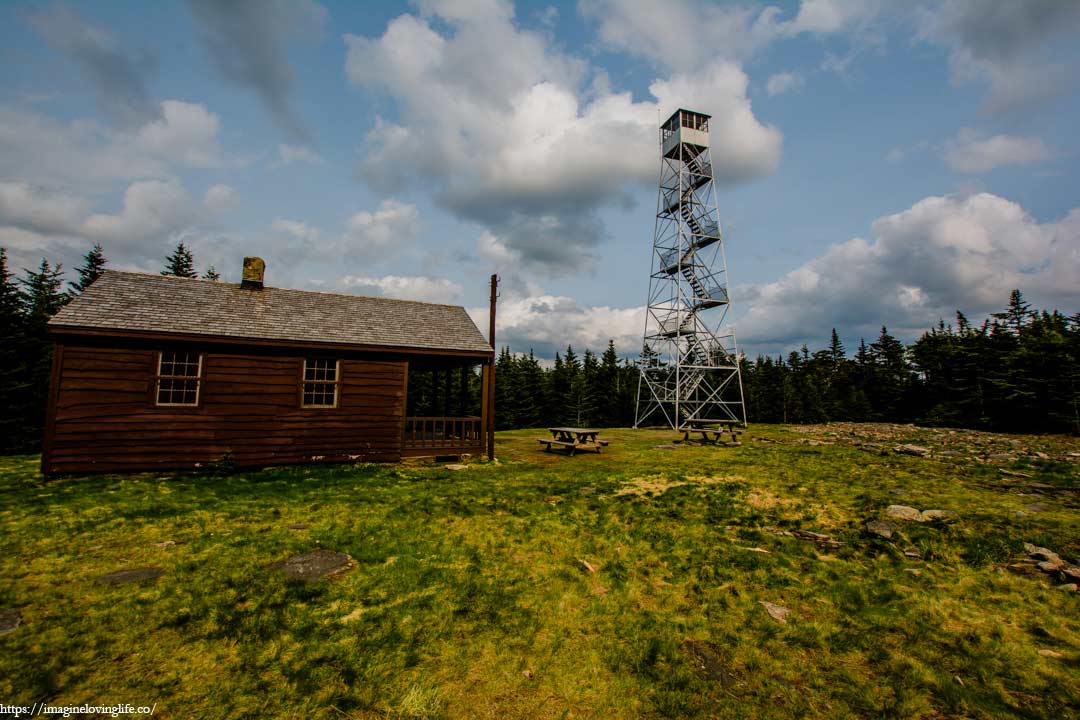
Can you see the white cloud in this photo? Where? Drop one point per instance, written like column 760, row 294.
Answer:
column 974, row 152
column 186, row 133
column 152, row 209
column 36, row 210
column 62, row 226
column 781, row 83
column 393, row 225
column 220, row 197
column 831, row 16
column 511, row 133
column 82, row 153
column 295, row 228
column 496, row 252
column 683, row 34
column 548, row 323
column 940, row 255
column 424, row 289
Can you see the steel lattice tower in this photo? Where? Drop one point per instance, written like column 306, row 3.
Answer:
column 689, row 366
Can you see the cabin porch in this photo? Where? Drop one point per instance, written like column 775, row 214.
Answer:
column 446, row 407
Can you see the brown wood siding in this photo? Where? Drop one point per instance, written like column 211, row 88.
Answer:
column 105, row 418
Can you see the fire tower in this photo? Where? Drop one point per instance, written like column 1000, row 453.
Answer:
column 689, row 366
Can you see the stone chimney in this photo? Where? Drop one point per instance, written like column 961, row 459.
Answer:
column 254, row 267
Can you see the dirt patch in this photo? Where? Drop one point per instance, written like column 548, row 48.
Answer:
column 660, row 484
column 133, row 575
column 761, row 499
column 708, row 663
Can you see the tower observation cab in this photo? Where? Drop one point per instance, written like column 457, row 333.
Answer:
column 689, row 359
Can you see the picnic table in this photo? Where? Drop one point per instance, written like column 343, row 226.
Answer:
column 573, row 439
column 711, row 429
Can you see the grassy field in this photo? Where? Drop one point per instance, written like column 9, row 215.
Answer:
column 626, row 584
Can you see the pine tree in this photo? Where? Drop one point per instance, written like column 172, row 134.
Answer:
column 584, row 391
column 531, row 387
column 211, row 274
column 42, row 298
column 891, row 377
column 1018, row 314
column 836, row 348
column 93, row 267
column 181, row 263
column 507, row 395
column 42, row 294
column 14, row 376
column 609, row 390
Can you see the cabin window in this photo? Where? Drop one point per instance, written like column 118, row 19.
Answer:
column 178, row 378
column 321, row 383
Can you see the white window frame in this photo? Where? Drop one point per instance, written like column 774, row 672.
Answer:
column 197, row 378
column 304, row 382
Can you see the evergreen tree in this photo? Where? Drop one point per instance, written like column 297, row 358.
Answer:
column 181, row 262
column 42, row 297
column 583, row 391
column 532, row 388
column 610, row 394
column 42, row 294
column 1018, row 314
column 211, row 274
column 14, row 376
column 93, row 266
column 891, row 377
column 507, row 392
column 836, row 348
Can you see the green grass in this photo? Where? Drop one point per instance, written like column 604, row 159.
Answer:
column 470, row 597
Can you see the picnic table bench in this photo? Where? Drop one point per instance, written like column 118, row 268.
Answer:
column 711, row 429
column 573, row 439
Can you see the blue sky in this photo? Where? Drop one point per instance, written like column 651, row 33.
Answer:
column 880, row 162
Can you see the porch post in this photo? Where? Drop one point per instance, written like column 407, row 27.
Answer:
column 485, row 413
column 491, row 371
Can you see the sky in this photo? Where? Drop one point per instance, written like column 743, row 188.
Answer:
column 878, row 163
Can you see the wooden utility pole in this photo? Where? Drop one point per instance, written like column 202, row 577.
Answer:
column 490, row 388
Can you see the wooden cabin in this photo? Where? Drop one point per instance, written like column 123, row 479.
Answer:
column 152, row 372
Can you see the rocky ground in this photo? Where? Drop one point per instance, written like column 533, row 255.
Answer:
column 972, row 445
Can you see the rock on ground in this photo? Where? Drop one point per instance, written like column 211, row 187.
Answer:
column 916, row 450
column 882, row 528
column 778, row 613
column 314, row 566
column 133, row 575
column 903, row 512
column 10, row 618
column 941, row 516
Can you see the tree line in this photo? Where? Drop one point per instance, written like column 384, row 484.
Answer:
column 1018, row 371
column 27, row 302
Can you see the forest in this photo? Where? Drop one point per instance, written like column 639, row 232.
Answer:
column 1018, row 370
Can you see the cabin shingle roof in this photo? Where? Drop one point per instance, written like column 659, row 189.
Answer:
column 135, row 302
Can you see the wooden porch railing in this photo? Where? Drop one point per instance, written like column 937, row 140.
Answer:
column 439, row 435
